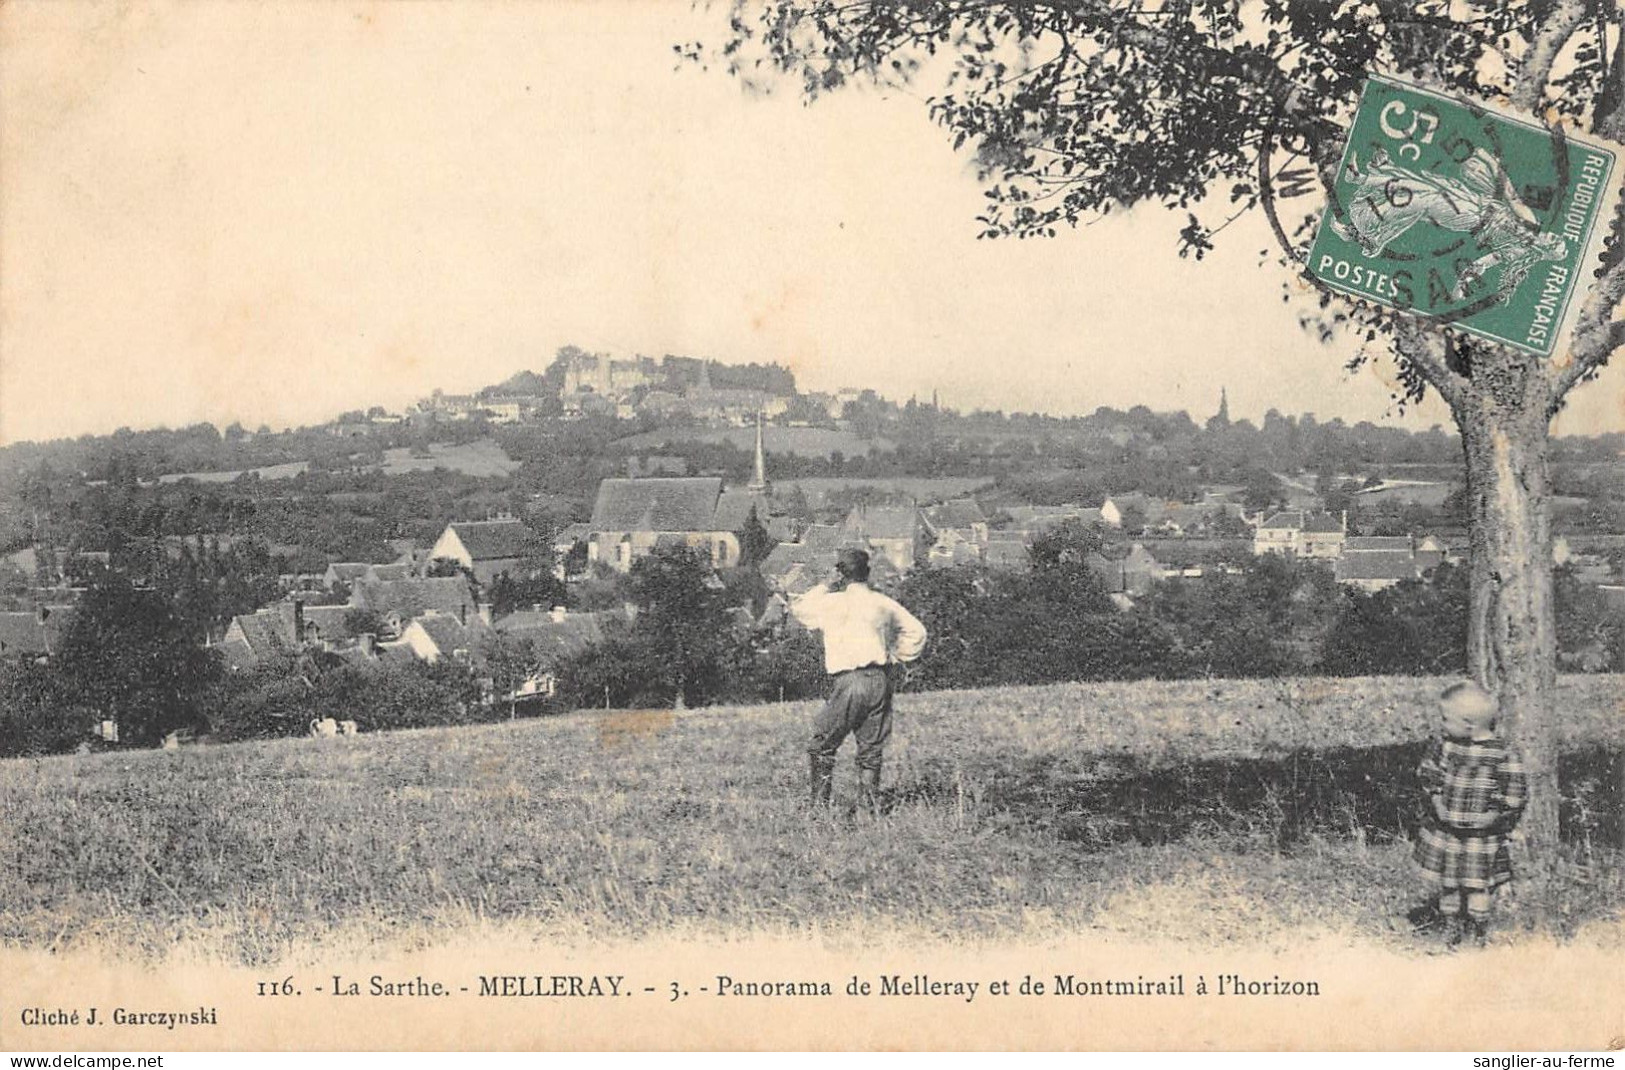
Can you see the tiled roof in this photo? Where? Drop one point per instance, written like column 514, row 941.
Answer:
column 1322, row 524
column 447, row 633
column 1190, row 516
column 884, row 522
column 1376, row 565
column 1300, row 520
column 348, row 571
column 557, row 640
column 399, row 570
column 492, row 540
column 328, row 621
column 687, row 504
column 265, row 631
column 1007, row 555
column 447, row 594
column 822, row 537
column 958, row 513
column 786, row 554
column 397, row 653
column 237, row 654
column 733, row 509
column 1286, row 519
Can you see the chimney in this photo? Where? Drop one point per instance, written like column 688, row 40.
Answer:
column 298, row 621
column 558, row 613
column 367, row 642
column 484, row 610
column 462, row 613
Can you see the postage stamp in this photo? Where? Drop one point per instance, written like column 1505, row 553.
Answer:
column 1467, row 215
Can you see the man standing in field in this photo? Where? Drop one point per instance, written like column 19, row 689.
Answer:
column 864, row 634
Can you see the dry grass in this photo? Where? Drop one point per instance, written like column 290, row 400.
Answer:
column 483, row 458
column 1010, row 811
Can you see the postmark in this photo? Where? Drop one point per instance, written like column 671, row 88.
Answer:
column 1480, row 220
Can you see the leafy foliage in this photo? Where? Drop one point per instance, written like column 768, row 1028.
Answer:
column 129, row 657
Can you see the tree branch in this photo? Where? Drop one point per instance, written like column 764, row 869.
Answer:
column 1544, row 49
column 1597, row 336
column 1425, row 347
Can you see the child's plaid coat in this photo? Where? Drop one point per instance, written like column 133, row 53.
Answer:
column 1483, row 788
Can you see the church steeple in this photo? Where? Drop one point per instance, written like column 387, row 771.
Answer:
column 1221, row 419
column 758, row 477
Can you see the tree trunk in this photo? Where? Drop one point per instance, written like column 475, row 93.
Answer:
column 1512, row 633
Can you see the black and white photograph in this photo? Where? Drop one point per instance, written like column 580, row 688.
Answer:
column 812, row 525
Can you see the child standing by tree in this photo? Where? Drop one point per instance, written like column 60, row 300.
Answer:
column 1476, row 790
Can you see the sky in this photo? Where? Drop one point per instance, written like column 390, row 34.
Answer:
column 272, row 213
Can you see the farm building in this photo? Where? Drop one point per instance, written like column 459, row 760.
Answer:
column 631, row 517
column 954, row 548
column 434, row 635
column 1008, row 551
column 1301, row 534
column 344, row 572
column 487, row 548
column 399, row 601
column 1205, row 519
column 556, row 635
column 893, row 532
column 961, row 515
column 286, row 626
column 1375, row 562
column 1375, row 570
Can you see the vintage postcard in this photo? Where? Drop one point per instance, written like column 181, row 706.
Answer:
column 811, row 524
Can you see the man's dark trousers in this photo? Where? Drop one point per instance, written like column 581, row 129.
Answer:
column 859, row 705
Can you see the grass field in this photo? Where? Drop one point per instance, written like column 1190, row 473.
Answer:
column 1185, row 811
column 483, row 458
column 274, row 471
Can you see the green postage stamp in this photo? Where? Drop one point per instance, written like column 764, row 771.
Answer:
column 1470, row 216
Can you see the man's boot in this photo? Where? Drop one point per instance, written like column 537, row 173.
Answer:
column 869, row 789
column 823, row 778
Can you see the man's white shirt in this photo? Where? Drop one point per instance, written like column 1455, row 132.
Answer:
column 861, row 627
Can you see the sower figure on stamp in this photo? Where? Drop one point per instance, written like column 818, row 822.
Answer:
column 865, row 632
